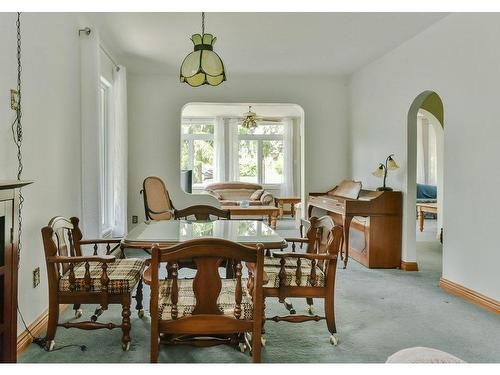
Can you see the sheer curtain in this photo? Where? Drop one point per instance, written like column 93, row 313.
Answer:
column 220, row 164
column 119, row 152
column 89, row 101
column 234, row 157
column 288, row 175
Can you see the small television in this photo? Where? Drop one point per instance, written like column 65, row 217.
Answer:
column 187, row 180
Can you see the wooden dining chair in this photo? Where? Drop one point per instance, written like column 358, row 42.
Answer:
column 157, row 202
column 207, row 309
column 202, row 212
column 309, row 274
column 75, row 278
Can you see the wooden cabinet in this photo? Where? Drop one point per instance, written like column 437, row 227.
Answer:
column 9, row 205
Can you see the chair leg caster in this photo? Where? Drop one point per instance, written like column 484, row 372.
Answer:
column 263, row 340
column 242, row 347
column 97, row 313
column 310, row 310
column 49, row 345
column 140, row 313
column 78, row 313
column 126, row 346
column 334, row 340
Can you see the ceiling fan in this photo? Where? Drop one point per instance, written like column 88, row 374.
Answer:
column 250, row 119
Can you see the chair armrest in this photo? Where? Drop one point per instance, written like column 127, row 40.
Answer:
column 100, row 240
column 80, row 259
column 305, row 256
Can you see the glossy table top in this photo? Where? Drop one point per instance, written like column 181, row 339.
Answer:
column 245, row 232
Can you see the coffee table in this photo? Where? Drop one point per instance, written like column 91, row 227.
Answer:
column 270, row 211
column 281, row 201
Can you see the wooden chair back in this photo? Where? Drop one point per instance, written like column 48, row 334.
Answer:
column 58, row 241
column 202, row 212
column 157, row 203
column 320, row 236
column 208, row 254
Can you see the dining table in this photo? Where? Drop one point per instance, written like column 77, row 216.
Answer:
column 167, row 233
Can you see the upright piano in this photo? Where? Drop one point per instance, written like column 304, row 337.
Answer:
column 372, row 222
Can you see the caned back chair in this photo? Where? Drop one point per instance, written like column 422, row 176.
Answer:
column 157, row 202
column 207, row 309
column 75, row 278
column 202, row 212
column 309, row 274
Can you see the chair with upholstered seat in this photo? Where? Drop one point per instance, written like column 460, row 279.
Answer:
column 202, row 212
column 207, row 309
column 75, row 278
column 157, row 203
column 310, row 274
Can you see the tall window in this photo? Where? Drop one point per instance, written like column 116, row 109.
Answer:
column 105, row 177
column 261, row 153
column 197, row 150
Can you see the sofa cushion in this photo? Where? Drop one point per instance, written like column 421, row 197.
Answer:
column 187, row 300
column 235, row 194
column 233, row 185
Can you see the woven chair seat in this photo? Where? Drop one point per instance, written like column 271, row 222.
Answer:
column 123, row 276
column 187, row 300
column 291, row 277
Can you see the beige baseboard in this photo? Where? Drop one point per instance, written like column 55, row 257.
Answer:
column 37, row 328
column 470, row 295
column 409, row 266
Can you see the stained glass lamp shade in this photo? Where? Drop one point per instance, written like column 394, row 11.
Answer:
column 203, row 66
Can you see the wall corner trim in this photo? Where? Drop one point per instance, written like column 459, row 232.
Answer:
column 470, row 295
column 409, row 266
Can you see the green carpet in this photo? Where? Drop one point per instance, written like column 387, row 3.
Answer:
column 378, row 312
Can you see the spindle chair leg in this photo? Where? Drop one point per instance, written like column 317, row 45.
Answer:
column 126, row 322
column 310, row 309
column 78, row 310
column 138, row 299
column 97, row 313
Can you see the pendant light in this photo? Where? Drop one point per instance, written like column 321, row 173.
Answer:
column 203, row 66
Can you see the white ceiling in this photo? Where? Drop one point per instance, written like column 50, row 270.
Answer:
column 260, row 43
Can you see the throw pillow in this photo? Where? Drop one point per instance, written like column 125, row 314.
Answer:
column 256, row 194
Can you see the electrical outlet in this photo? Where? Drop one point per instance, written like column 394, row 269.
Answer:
column 135, row 219
column 36, row 277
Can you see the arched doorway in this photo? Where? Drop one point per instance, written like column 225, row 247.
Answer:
column 426, row 106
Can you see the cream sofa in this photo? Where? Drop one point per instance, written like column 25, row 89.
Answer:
column 232, row 193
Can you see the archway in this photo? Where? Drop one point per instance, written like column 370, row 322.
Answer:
column 430, row 105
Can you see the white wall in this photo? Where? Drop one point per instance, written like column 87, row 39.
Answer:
column 458, row 59
column 51, row 123
column 155, row 104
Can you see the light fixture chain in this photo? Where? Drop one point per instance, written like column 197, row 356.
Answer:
column 19, row 134
column 202, row 23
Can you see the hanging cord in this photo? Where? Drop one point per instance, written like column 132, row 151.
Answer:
column 17, row 136
column 202, row 23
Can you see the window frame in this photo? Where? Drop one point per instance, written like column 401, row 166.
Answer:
column 191, row 138
column 260, row 138
column 105, row 166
